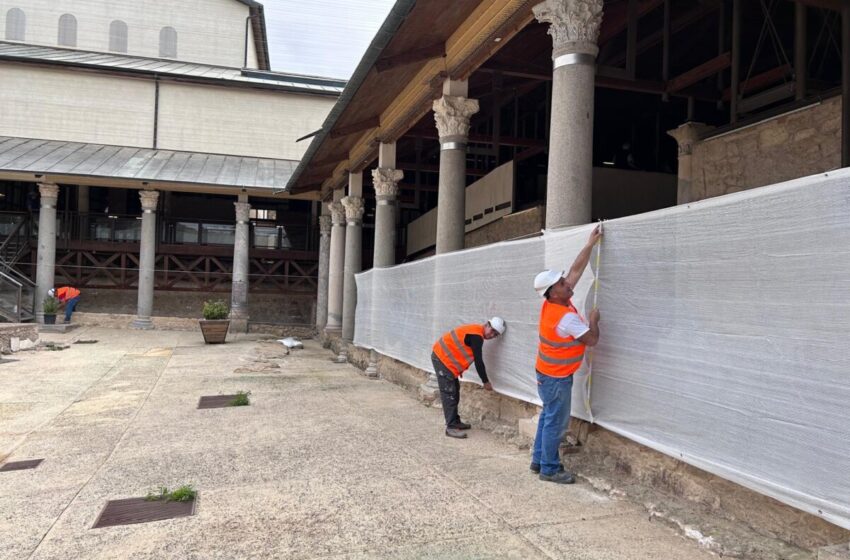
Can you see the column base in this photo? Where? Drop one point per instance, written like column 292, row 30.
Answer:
column 342, row 357
column 372, row 369
column 142, row 323
column 238, row 325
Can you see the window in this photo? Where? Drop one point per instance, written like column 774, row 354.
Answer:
column 67, row 31
column 263, row 214
column 168, row 42
column 118, row 36
column 16, row 25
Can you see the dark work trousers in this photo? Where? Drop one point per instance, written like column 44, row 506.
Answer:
column 449, row 390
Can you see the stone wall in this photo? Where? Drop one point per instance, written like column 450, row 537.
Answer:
column 786, row 147
column 518, row 224
column 17, row 336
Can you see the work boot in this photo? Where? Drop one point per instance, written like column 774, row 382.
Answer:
column 535, row 468
column 452, row 432
column 459, row 425
column 562, row 477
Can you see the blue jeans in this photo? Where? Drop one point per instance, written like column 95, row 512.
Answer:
column 69, row 307
column 556, row 394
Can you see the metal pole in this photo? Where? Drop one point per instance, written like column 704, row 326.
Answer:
column 631, row 39
column 665, row 54
column 800, row 69
column 736, row 60
column 721, row 47
column 845, row 87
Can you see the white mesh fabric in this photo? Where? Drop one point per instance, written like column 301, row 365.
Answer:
column 725, row 328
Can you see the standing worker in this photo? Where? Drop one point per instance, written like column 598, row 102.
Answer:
column 564, row 335
column 68, row 297
column 451, row 355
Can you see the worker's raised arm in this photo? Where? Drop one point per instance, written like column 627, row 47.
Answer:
column 577, row 269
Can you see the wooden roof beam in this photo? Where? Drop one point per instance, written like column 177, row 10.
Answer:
column 760, row 81
column 825, row 4
column 372, row 122
column 615, row 20
column 699, row 73
column 437, row 50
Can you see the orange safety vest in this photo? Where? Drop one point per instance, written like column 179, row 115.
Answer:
column 452, row 351
column 67, row 292
column 557, row 356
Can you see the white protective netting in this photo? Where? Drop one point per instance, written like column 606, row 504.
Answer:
column 725, row 331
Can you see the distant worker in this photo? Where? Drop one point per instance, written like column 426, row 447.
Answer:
column 564, row 335
column 451, row 355
column 68, row 297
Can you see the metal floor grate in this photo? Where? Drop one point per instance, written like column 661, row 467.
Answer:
column 216, row 401
column 21, row 465
column 140, row 510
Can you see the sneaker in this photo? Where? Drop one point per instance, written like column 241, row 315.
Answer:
column 452, row 432
column 460, row 425
column 562, row 477
column 535, row 468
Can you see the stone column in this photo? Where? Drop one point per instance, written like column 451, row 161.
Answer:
column 241, row 266
column 452, row 113
column 324, row 263
column 386, row 192
column 45, row 269
column 687, row 137
column 353, row 262
column 147, row 258
column 336, row 264
column 574, row 27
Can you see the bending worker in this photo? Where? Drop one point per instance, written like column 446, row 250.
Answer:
column 564, row 335
column 452, row 354
column 68, row 297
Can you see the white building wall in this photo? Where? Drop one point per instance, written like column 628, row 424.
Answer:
column 245, row 122
column 208, row 31
column 76, row 106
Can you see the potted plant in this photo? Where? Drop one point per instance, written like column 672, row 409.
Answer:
column 215, row 323
column 50, row 306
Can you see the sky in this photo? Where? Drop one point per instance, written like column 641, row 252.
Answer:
column 321, row 37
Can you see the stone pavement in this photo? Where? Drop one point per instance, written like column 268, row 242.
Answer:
column 325, row 463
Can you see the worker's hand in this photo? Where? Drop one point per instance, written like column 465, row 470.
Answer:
column 595, row 235
column 488, row 386
column 594, row 315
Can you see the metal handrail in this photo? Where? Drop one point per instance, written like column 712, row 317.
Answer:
column 17, row 313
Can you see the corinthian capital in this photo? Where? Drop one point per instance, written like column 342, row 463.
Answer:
column 149, row 200
column 452, row 115
column 573, row 24
column 338, row 213
column 324, row 225
column 243, row 211
column 353, row 209
column 386, row 182
column 48, row 192
column 688, row 135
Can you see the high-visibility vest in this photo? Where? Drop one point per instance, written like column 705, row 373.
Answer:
column 67, row 292
column 557, row 356
column 452, row 350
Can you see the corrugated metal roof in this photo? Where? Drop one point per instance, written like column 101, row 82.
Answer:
column 22, row 52
column 49, row 157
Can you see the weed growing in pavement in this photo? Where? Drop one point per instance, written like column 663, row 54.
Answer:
column 184, row 493
column 241, row 399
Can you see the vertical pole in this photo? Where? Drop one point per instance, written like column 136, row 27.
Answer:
column 239, row 282
column 800, row 70
column 721, row 47
column 736, row 60
column 631, row 37
column 46, row 270
column 665, row 54
column 147, row 259
column 845, row 86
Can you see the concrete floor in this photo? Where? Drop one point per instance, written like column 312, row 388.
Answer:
column 324, row 464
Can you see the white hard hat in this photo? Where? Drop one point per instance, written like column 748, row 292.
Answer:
column 546, row 280
column 50, row 292
column 498, row 324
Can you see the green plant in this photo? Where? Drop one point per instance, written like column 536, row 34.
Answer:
column 241, row 399
column 50, row 305
column 184, row 493
column 215, row 310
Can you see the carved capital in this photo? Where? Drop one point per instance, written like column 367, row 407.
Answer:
column 337, row 213
column 688, row 135
column 243, row 211
column 353, row 209
column 324, row 225
column 386, row 181
column 452, row 115
column 573, row 24
column 149, row 200
column 49, row 192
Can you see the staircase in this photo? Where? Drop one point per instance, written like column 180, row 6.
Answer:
column 17, row 291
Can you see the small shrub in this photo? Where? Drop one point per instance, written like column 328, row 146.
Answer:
column 241, row 399
column 50, row 305
column 215, row 310
column 183, row 494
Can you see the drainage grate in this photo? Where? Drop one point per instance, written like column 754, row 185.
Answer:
column 141, row 510
column 216, row 401
column 21, row 465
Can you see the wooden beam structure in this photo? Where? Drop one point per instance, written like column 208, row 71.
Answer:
column 835, row 5
column 366, row 124
column 699, row 73
column 760, row 81
column 437, row 50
